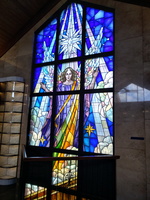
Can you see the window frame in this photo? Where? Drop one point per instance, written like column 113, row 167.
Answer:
column 48, row 151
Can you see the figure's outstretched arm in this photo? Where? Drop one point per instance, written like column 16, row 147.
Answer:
column 95, row 73
column 43, row 86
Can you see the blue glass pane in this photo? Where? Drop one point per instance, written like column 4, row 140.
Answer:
column 99, row 31
column 70, row 32
column 98, row 123
column 46, row 43
column 40, row 122
column 99, row 73
column 43, row 80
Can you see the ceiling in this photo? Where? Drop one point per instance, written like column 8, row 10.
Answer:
column 18, row 16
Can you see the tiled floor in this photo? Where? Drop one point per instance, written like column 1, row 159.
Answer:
column 9, row 192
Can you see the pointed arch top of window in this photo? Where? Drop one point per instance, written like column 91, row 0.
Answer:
column 66, row 36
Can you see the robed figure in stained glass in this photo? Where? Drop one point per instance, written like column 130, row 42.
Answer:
column 67, row 112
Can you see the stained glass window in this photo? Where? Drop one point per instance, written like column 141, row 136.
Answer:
column 35, row 192
column 72, row 87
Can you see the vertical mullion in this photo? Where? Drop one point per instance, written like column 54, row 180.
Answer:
column 113, row 83
column 53, row 108
column 81, row 116
column 55, row 83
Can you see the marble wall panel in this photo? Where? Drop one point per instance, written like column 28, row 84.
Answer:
column 128, row 63
column 131, row 159
column 128, row 53
column 146, row 21
column 9, row 69
column 129, row 112
column 128, row 22
column 24, row 65
column 25, row 45
column 146, row 71
column 2, row 68
column 146, row 48
column 130, row 184
column 147, row 132
column 128, row 135
column 148, row 193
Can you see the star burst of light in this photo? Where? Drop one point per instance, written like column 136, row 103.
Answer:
column 70, row 42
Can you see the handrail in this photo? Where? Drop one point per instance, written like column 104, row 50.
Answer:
column 95, row 157
column 43, row 159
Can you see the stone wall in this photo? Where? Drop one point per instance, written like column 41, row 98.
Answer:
column 132, row 93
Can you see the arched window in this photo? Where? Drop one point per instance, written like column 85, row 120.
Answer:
column 72, row 82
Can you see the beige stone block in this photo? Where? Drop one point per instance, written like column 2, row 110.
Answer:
column 12, row 117
column 3, row 172
column 10, row 138
column 14, row 96
column 12, row 160
column 15, row 86
column 11, row 172
column 13, row 107
column 3, row 160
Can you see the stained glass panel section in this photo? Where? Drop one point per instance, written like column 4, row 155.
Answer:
column 68, row 76
column 99, row 73
column 98, row 123
column 65, row 171
column 35, row 192
column 40, row 123
column 67, row 122
column 43, row 79
column 70, row 32
column 46, row 43
column 99, row 31
column 56, row 195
